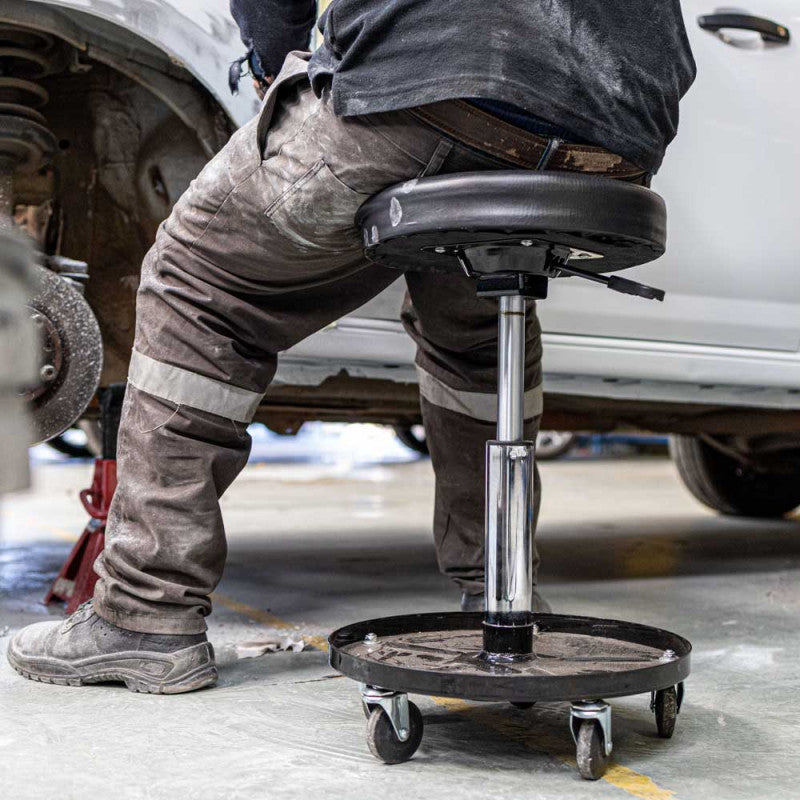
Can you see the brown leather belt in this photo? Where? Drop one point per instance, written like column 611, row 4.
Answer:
column 478, row 129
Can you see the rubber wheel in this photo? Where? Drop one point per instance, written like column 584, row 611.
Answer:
column 554, row 444
column 591, row 752
column 382, row 740
column 727, row 486
column 666, row 708
column 413, row 437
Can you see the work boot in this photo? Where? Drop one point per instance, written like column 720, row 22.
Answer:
column 475, row 602
column 84, row 649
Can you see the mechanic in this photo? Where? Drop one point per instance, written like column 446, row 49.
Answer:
column 261, row 251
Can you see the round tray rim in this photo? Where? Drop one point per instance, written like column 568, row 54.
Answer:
column 512, row 687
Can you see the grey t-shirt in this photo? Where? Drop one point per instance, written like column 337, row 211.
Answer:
column 610, row 72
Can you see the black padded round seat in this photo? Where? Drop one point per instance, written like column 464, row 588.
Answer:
column 513, row 220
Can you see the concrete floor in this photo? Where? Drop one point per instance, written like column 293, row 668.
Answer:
column 316, row 545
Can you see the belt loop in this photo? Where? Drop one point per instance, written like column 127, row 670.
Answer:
column 552, row 145
column 438, row 158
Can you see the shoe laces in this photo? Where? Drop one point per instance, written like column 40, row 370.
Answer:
column 80, row 614
column 82, row 611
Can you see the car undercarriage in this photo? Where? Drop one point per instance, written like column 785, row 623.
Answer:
column 101, row 133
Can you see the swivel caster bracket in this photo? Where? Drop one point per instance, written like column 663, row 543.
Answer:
column 395, row 704
column 594, row 710
column 680, row 691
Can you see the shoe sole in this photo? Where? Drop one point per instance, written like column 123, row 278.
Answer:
column 203, row 676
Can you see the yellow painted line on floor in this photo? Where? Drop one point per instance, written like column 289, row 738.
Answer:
column 59, row 533
column 652, row 558
column 265, row 618
column 69, row 536
column 630, row 781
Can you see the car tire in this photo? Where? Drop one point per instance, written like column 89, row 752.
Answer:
column 554, row 444
column 723, row 483
column 91, row 449
column 61, row 445
column 413, row 437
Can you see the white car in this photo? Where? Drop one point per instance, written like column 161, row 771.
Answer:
column 138, row 101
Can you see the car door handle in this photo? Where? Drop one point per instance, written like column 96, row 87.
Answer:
column 770, row 31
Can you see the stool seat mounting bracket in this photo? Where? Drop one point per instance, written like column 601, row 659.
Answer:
column 534, row 283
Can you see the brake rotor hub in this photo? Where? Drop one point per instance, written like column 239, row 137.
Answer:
column 71, row 355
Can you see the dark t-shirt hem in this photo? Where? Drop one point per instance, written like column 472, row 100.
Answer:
column 353, row 101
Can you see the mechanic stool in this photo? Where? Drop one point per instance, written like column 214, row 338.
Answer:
column 76, row 579
column 512, row 231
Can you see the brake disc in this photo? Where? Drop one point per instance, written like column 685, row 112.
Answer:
column 71, row 350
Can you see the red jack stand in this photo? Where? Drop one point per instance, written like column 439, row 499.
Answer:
column 76, row 579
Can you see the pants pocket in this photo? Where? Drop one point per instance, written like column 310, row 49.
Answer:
column 317, row 211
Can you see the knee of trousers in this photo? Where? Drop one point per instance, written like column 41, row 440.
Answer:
column 479, row 405
column 184, row 387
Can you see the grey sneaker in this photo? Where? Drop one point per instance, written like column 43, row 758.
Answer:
column 475, row 602
column 84, row 649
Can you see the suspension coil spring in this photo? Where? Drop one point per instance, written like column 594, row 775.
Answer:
column 26, row 143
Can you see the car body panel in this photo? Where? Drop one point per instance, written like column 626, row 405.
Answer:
column 199, row 35
column 729, row 330
column 730, row 182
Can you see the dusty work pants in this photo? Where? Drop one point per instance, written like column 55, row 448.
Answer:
column 259, row 253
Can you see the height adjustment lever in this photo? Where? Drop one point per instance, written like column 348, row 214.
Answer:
column 613, row 282
column 626, row 286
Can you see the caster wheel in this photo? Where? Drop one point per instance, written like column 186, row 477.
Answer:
column 666, row 710
column 522, row 706
column 591, row 752
column 382, row 740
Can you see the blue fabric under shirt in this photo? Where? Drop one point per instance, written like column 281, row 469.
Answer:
column 522, row 119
